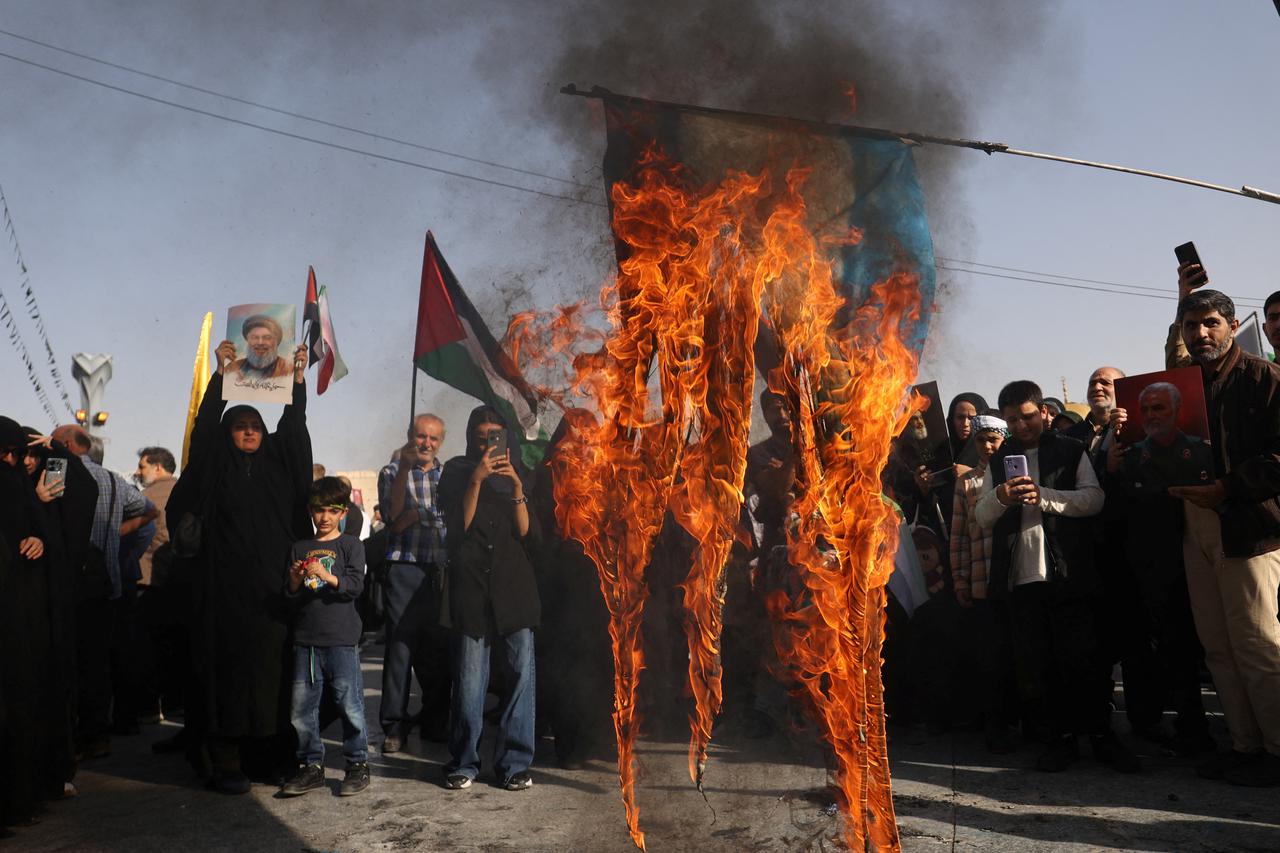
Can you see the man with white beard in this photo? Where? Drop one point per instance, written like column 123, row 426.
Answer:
column 1102, row 400
column 262, row 360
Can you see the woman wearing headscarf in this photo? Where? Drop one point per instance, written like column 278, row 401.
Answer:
column 960, row 414
column 245, row 492
column 66, row 510
column 25, row 637
column 574, row 658
column 493, row 600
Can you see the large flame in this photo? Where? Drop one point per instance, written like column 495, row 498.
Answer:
column 683, row 311
column 673, row 385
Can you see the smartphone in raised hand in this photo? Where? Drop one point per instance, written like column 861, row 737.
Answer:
column 1016, row 466
column 1187, row 254
column 55, row 471
column 498, row 442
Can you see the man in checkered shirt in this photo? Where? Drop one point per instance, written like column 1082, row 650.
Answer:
column 413, row 584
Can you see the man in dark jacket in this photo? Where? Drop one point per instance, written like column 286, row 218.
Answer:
column 1232, row 541
column 1042, row 563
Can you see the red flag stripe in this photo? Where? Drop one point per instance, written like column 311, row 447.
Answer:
column 438, row 323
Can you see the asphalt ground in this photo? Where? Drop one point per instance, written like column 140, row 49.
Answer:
column 761, row 794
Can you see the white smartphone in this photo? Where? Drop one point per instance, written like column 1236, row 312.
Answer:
column 1015, row 466
column 55, row 471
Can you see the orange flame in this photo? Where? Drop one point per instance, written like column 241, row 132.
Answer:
column 685, row 303
column 844, row 537
column 673, row 384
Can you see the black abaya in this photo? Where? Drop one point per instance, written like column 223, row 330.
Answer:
column 252, row 507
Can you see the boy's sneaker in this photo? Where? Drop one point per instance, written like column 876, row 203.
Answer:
column 456, row 781
column 307, row 778
column 356, row 780
column 518, row 782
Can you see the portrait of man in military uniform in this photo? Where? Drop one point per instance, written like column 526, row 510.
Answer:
column 1168, row 456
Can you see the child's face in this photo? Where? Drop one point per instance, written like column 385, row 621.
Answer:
column 929, row 559
column 988, row 443
column 327, row 518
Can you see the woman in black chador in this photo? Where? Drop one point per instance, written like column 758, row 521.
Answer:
column 26, row 641
column 248, row 492
column 575, row 661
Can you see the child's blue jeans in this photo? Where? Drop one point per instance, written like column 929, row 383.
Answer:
column 338, row 667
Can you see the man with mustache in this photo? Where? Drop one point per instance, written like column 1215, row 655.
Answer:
column 1232, row 541
column 263, row 335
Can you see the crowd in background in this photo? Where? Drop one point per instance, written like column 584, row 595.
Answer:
column 236, row 597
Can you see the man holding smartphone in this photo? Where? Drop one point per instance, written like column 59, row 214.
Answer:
column 1191, row 276
column 1231, row 540
column 1042, row 564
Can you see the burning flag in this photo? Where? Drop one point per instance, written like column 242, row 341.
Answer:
column 712, row 211
column 317, row 332
column 454, row 346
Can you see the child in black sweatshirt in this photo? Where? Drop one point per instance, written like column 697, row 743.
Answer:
column 325, row 579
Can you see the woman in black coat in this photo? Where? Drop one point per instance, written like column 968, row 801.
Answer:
column 575, row 659
column 493, row 600
column 26, row 641
column 248, row 491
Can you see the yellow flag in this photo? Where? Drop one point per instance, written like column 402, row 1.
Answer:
column 199, row 380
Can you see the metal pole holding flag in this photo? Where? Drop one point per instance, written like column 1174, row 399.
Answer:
column 925, row 138
column 413, row 394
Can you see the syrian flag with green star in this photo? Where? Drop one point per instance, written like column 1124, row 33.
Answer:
column 454, row 346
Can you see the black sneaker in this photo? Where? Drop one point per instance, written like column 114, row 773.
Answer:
column 1216, row 767
column 1109, row 750
column 999, row 738
column 518, row 782
column 230, row 783
column 1059, row 756
column 1262, row 772
column 308, row 778
column 456, row 781
column 391, row 743
column 1186, row 745
column 356, row 780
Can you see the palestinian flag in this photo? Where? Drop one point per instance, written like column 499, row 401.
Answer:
column 454, row 346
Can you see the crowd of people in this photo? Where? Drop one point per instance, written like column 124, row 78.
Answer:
column 1097, row 555
column 235, row 597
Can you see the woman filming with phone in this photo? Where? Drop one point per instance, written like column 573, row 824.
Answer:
column 493, row 599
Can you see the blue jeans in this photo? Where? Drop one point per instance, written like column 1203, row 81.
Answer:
column 339, row 667
column 513, row 752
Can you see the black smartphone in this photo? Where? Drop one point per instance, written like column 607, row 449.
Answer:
column 498, row 439
column 1187, row 254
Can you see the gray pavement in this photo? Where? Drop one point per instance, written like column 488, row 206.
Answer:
column 761, row 795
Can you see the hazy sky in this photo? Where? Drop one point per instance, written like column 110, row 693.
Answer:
column 135, row 218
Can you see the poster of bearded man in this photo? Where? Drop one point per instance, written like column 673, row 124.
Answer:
column 262, row 371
